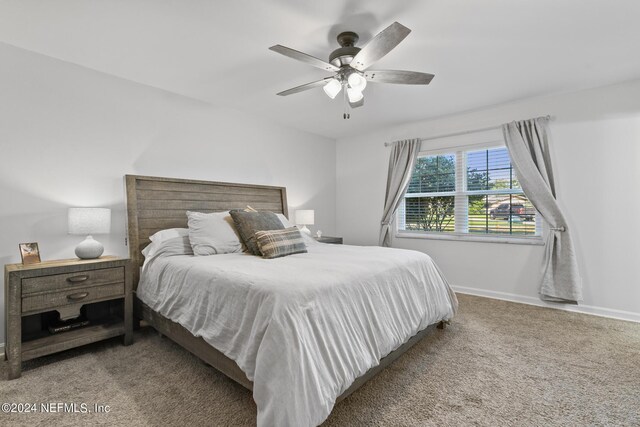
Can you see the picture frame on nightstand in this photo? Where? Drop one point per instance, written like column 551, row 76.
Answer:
column 29, row 253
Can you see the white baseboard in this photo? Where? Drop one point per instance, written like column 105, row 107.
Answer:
column 585, row 309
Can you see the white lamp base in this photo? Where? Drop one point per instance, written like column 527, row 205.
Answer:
column 304, row 229
column 89, row 249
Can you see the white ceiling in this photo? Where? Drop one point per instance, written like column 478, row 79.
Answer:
column 482, row 52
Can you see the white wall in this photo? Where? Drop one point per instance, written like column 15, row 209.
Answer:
column 69, row 134
column 596, row 155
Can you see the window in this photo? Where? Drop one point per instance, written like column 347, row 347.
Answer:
column 464, row 193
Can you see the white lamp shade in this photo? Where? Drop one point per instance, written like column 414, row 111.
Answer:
column 305, row 217
column 332, row 88
column 89, row 221
column 357, row 82
column 354, row 95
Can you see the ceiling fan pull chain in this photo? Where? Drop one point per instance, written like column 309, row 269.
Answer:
column 346, row 115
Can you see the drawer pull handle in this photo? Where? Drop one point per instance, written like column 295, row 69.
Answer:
column 77, row 279
column 78, row 296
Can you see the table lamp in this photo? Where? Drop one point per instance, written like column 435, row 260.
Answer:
column 304, row 218
column 89, row 221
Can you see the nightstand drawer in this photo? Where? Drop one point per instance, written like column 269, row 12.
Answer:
column 63, row 281
column 78, row 295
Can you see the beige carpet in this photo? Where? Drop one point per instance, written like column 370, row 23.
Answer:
column 499, row 363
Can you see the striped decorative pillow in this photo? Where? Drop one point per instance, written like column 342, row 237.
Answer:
column 279, row 243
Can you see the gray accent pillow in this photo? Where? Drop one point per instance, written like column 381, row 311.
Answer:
column 247, row 223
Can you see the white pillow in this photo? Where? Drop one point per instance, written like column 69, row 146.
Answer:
column 213, row 233
column 162, row 236
column 169, row 233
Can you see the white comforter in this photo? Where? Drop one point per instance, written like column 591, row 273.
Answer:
column 302, row 327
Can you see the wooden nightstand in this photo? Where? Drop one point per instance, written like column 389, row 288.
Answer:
column 329, row 239
column 99, row 290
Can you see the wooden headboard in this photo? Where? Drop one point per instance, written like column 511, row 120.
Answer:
column 155, row 204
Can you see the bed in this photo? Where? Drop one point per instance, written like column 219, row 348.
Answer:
column 296, row 357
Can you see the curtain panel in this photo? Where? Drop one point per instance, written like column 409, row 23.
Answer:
column 528, row 145
column 401, row 162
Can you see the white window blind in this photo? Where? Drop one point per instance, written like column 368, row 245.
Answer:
column 467, row 192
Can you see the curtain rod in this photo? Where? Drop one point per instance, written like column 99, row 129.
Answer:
column 465, row 132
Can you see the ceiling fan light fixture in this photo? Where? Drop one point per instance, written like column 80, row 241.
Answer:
column 357, row 81
column 332, row 89
column 354, row 95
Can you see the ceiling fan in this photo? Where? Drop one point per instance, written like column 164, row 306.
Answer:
column 351, row 66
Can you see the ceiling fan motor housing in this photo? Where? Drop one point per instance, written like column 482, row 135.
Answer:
column 344, row 54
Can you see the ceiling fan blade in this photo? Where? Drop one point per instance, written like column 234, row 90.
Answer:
column 304, row 87
column 379, row 46
column 398, row 77
column 308, row 59
column 357, row 104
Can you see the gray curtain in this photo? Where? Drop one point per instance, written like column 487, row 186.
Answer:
column 528, row 145
column 401, row 161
